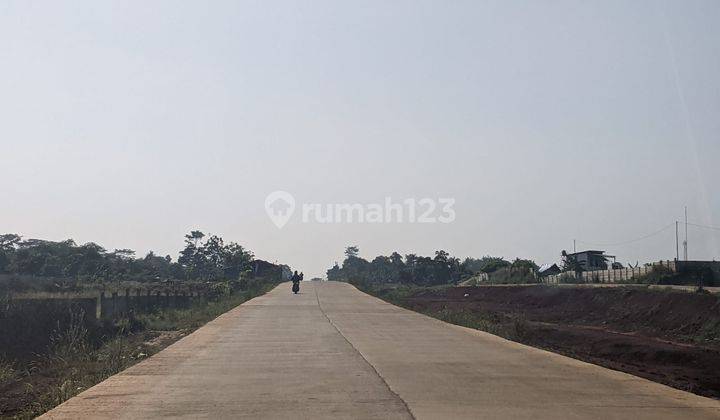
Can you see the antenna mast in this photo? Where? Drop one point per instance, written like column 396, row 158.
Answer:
column 685, row 254
column 677, row 246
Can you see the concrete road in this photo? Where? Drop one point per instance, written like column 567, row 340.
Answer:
column 334, row 352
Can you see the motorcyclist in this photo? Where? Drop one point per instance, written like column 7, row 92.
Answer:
column 296, row 282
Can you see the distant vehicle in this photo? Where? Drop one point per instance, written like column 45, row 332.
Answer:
column 317, row 279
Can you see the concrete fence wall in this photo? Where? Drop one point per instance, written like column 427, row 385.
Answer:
column 621, row 275
column 111, row 305
column 625, row 275
column 482, row 277
column 32, row 278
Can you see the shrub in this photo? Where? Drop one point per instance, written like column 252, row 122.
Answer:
column 512, row 275
column 520, row 327
column 467, row 318
column 7, row 371
column 70, row 341
column 659, row 274
column 36, row 326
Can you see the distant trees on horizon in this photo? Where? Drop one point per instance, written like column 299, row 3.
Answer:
column 425, row 271
column 206, row 260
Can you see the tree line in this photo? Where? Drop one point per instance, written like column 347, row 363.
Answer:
column 203, row 258
column 428, row 271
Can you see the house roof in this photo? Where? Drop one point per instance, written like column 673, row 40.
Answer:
column 589, row 251
column 593, row 252
column 546, row 267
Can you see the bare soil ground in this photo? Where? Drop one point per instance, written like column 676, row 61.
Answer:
column 669, row 337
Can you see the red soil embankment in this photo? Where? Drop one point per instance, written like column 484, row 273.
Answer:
column 666, row 336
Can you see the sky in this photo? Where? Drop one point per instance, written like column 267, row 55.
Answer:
column 131, row 123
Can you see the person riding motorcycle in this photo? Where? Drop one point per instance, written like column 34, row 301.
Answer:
column 296, row 282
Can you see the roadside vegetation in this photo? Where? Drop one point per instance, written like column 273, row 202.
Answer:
column 82, row 351
column 52, row 349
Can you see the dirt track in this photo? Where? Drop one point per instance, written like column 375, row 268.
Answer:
column 668, row 337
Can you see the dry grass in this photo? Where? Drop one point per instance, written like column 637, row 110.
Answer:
column 7, row 371
column 74, row 361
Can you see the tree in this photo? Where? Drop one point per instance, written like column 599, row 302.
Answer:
column 486, row 264
column 194, row 237
column 456, row 271
column 122, row 264
column 528, row 265
column 413, row 269
column 212, row 260
column 237, row 260
column 441, row 256
column 9, row 241
column 382, row 270
column 124, row 254
column 352, row 251
column 397, row 260
column 157, row 267
column 192, row 257
column 355, row 269
column 335, row 273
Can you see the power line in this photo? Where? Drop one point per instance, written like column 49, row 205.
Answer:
column 664, row 228
column 703, row 226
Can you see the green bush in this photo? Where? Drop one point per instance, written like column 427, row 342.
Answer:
column 512, row 275
column 660, row 274
column 7, row 371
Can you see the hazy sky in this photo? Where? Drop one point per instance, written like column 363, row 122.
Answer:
column 130, row 123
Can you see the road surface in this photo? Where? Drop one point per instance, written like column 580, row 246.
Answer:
column 334, row 352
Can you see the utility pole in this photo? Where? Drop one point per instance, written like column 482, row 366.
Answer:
column 574, row 250
column 677, row 243
column 685, row 242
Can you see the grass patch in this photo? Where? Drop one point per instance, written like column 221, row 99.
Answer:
column 198, row 314
column 75, row 360
column 513, row 327
column 7, row 371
